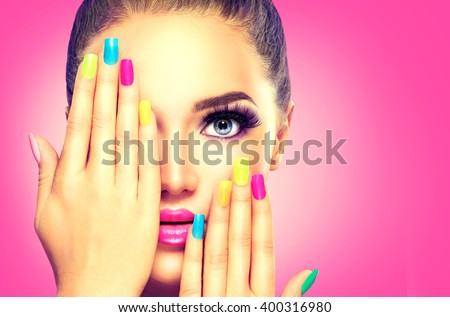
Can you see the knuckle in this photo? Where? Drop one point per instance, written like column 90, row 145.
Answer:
column 77, row 124
column 45, row 177
column 242, row 196
column 217, row 259
column 264, row 246
column 219, row 217
column 127, row 99
column 241, row 240
column 106, row 78
column 101, row 119
column 191, row 290
column 84, row 87
column 222, row 219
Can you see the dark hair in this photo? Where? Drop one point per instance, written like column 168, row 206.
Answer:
column 258, row 18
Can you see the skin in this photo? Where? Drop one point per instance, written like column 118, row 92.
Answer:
column 99, row 224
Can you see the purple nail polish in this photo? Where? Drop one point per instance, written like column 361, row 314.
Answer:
column 126, row 72
column 258, row 188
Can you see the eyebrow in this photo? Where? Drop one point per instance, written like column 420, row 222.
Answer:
column 224, row 99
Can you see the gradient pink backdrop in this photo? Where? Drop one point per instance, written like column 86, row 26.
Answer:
column 375, row 72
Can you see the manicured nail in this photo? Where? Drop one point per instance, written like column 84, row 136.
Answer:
column 224, row 193
column 241, row 170
column 258, row 188
column 111, row 51
column 145, row 112
column 309, row 281
column 126, row 72
column 89, row 68
column 198, row 227
column 34, row 148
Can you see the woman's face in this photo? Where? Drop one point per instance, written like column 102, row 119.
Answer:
column 182, row 60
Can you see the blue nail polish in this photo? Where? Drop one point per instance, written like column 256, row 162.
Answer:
column 198, row 227
column 111, row 51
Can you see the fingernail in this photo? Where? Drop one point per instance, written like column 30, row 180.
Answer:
column 241, row 170
column 145, row 112
column 198, row 227
column 258, row 188
column 89, row 68
column 309, row 281
column 111, row 51
column 224, row 193
column 34, row 148
column 126, row 72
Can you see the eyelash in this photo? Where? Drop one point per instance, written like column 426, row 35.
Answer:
column 244, row 116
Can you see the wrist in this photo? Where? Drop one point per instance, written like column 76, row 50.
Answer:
column 74, row 285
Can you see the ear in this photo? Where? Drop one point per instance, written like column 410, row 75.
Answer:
column 282, row 135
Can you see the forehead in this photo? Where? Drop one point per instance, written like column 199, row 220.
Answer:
column 186, row 56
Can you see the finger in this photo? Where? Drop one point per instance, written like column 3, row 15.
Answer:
column 149, row 186
column 47, row 158
column 191, row 273
column 299, row 284
column 216, row 243
column 239, row 235
column 76, row 143
column 127, row 127
column 105, row 108
column 262, row 279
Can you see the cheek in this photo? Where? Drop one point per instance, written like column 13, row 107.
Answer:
column 261, row 159
column 255, row 148
column 259, row 147
column 216, row 159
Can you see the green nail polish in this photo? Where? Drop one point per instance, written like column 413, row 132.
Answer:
column 309, row 281
column 89, row 68
column 241, row 170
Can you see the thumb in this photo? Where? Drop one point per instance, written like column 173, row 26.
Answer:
column 300, row 283
column 47, row 159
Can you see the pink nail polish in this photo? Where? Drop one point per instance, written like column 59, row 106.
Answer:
column 258, row 188
column 34, row 148
column 126, row 72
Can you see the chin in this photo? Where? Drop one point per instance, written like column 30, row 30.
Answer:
column 167, row 264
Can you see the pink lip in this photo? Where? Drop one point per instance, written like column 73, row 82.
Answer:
column 174, row 226
column 176, row 215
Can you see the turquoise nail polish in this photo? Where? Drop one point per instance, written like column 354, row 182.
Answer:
column 309, row 281
column 111, row 51
column 198, row 227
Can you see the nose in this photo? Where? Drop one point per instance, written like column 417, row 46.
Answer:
column 178, row 174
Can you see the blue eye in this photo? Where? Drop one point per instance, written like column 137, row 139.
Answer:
column 222, row 128
column 225, row 122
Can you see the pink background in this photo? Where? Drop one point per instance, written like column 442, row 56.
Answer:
column 375, row 72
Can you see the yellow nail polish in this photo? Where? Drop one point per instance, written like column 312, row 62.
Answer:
column 241, row 170
column 89, row 68
column 224, row 193
column 145, row 112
